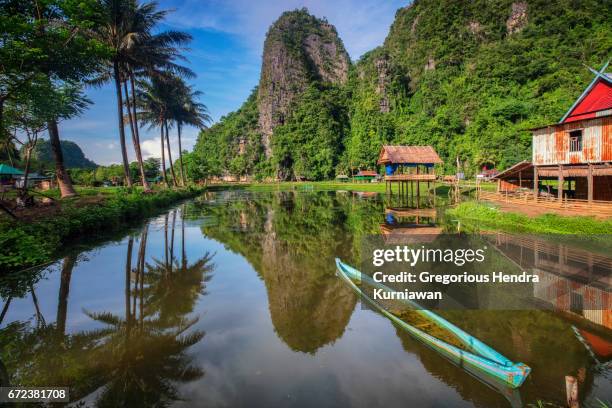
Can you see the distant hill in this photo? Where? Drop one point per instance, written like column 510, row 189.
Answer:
column 73, row 155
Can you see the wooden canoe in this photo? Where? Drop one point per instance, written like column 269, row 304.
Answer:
column 480, row 357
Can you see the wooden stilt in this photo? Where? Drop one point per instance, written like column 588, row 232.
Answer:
column 535, row 182
column 560, row 184
column 418, row 184
column 590, row 183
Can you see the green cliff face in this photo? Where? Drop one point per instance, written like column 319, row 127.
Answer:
column 73, row 155
column 468, row 77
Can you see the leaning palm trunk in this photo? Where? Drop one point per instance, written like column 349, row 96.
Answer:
column 63, row 179
column 182, row 167
column 170, row 154
column 135, row 141
column 124, row 157
column 163, row 158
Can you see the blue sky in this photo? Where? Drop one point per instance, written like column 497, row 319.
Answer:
column 226, row 56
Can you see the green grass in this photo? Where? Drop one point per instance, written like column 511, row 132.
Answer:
column 28, row 243
column 489, row 216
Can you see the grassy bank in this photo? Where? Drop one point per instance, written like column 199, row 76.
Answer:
column 38, row 240
column 490, row 217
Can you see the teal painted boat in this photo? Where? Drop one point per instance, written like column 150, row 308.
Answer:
column 478, row 357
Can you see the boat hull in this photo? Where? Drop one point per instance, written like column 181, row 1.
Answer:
column 500, row 368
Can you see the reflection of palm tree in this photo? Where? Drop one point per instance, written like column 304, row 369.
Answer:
column 144, row 371
column 173, row 286
column 143, row 358
column 62, row 303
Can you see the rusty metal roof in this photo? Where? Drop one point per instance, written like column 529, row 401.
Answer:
column 367, row 173
column 520, row 166
column 408, row 155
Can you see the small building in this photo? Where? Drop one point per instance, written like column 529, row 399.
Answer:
column 366, row 175
column 8, row 175
column 487, row 174
column 343, row 178
column 578, row 149
column 34, row 180
column 408, row 164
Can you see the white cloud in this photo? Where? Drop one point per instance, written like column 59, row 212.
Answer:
column 362, row 25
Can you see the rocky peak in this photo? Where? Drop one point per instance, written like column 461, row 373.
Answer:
column 299, row 49
column 518, row 17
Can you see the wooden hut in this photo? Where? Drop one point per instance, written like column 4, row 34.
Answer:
column 366, row 175
column 408, row 164
column 579, row 148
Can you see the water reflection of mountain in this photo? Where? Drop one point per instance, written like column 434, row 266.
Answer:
column 137, row 358
column 291, row 240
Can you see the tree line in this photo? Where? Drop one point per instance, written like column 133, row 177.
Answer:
column 51, row 50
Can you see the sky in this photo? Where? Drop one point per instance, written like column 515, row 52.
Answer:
column 225, row 54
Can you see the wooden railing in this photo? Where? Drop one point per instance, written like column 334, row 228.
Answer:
column 594, row 207
column 411, row 177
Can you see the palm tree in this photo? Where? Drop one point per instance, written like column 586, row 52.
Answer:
column 155, row 101
column 188, row 111
column 128, row 32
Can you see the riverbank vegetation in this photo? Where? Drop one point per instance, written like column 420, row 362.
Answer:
column 31, row 242
column 488, row 216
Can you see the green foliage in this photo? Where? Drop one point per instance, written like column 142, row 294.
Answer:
column 309, row 144
column 218, row 149
column 453, row 77
column 30, row 243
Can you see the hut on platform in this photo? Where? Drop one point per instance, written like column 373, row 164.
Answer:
column 408, row 166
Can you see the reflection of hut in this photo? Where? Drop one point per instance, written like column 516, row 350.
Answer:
column 408, row 166
column 409, row 225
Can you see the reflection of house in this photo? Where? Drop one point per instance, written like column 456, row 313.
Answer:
column 570, row 279
column 576, row 152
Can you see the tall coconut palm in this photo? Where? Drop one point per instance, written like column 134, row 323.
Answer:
column 128, row 32
column 155, row 98
column 188, row 111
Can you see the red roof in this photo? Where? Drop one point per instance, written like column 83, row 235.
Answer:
column 597, row 99
column 367, row 173
column 408, row 155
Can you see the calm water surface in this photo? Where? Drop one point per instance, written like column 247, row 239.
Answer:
column 231, row 300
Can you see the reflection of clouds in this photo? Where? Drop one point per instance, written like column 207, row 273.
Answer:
column 365, row 367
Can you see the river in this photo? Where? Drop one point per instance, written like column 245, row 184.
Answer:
column 231, row 299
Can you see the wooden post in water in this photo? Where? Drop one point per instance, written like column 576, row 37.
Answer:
column 571, row 391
